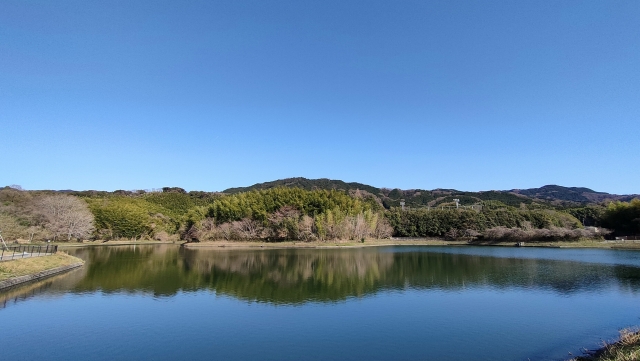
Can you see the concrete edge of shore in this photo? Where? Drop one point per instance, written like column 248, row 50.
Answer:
column 37, row 276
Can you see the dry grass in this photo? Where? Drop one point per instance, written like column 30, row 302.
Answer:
column 27, row 266
column 625, row 349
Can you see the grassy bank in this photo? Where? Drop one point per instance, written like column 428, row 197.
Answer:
column 625, row 349
column 29, row 266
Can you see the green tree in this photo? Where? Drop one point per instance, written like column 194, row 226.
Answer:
column 122, row 217
column 623, row 217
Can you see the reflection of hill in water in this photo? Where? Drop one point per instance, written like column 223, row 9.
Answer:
column 294, row 276
column 291, row 275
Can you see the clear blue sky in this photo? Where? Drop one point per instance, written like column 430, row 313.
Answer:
column 206, row 95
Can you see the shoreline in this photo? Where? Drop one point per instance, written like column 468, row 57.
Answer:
column 627, row 347
column 20, row 271
column 317, row 244
column 257, row 244
column 111, row 243
column 399, row 242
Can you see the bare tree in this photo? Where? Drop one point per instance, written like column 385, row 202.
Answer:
column 247, row 228
column 283, row 223
column 383, row 229
column 33, row 230
column 225, row 231
column 360, row 227
column 65, row 215
column 305, row 229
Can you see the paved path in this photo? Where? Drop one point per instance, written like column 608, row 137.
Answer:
column 10, row 255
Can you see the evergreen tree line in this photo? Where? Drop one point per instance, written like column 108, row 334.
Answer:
column 623, row 218
column 288, row 214
column 507, row 223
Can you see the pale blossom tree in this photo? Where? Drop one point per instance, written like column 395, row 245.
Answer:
column 383, row 229
column 65, row 216
column 247, row 228
column 360, row 227
column 305, row 229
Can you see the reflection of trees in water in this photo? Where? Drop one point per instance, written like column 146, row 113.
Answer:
column 290, row 266
column 454, row 271
column 628, row 278
column 291, row 275
column 157, row 269
column 294, row 276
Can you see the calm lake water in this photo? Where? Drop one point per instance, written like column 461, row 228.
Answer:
column 392, row 303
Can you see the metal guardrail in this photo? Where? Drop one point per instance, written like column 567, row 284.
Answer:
column 25, row 251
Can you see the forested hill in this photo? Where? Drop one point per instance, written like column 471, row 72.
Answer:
column 549, row 194
column 307, row 184
column 304, row 209
column 570, row 194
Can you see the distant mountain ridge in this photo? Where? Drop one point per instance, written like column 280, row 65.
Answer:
column 553, row 194
column 304, row 183
column 547, row 196
column 571, row 194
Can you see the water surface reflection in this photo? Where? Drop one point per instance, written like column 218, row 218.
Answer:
column 164, row 302
column 327, row 275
